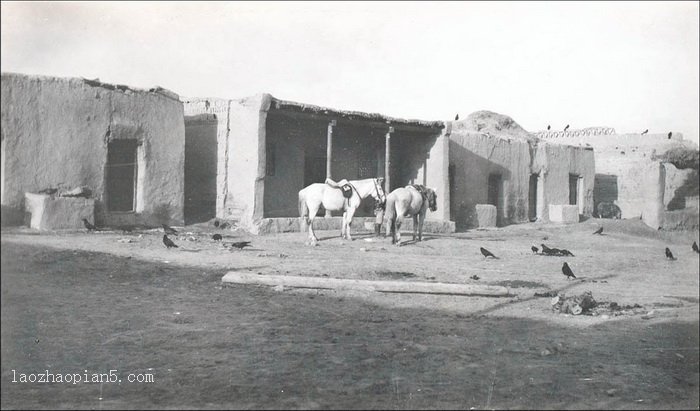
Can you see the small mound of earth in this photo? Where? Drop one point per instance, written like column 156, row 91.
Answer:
column 494, row 124
column 396, row 275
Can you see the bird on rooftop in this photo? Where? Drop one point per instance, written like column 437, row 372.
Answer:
column 695, row 247
column 168, row 242
column 567, row 271
column 645, row 131
column 216, row 237
column 598, row 231
column 457, row 117
column 670, row 133
column 566, row 128
column 168, row 229
column 669, row 254
column 534, row 249
column 549, row 127
column 486, row 253
column 240, row 245
column 474, row 277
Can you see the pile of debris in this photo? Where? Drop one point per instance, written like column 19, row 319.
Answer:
column 578, row 304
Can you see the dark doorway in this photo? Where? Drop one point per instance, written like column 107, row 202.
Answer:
column 573, row 189
column 494, row 189
column 532, row 203
column 121, row 173
column 200, row 168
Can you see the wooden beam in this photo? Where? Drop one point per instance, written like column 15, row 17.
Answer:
column 357, row 122
column 234, row 277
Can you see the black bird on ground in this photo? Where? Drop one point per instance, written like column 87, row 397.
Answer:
column 474, row 277
column 240, row 244
column 87, row 225
column 567, row 271
column 645, row 131
column 216, row 223
column 545, row 249
column 487, row 253
column 168, row 229
column 598, row 231
column 670, row 133
column 223, row 226
column 457, row 117
column 534, row 249
column 565, row 252
column 566, row 128
column 669, row 254
column 168, row 242
column 216, row 237
column 695, row 247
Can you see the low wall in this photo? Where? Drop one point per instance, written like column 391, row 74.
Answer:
column 359, row 224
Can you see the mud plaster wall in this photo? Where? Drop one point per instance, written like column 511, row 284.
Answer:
column 621, row 160
column 475, row 156
column 55, row 134
column 556, row 162
column 240, row 153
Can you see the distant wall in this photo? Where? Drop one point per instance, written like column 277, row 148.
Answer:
column 55, row 133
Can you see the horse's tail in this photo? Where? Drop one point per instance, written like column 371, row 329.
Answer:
column 303, row 213
column 390, row 215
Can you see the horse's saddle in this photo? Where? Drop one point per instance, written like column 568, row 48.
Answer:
column 343, row 185
column 421, row 189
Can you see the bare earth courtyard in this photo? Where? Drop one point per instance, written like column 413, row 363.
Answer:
column 79, row 303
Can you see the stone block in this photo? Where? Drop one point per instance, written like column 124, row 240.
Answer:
column 54, row 213
column 563, row 213
column 486, row 215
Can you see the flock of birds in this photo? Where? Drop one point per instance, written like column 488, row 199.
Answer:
column 548, row 251
column 565, row 269
column 171, row 244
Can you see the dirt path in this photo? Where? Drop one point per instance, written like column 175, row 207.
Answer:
column 74, row 302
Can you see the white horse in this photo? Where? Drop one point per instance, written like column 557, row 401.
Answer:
column 412, row 200
column 330, row 195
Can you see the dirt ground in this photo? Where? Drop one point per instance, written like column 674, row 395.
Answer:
column 76, row 301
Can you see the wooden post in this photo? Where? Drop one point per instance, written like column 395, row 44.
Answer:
column 329, row 153
column 387, row 160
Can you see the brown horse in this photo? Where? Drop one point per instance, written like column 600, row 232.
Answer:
column 412, row 200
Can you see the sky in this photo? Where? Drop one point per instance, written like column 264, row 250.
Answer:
column 628, row 65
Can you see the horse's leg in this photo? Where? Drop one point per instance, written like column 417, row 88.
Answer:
column 397, row 229
column 421, row 219
column 312, row 235
column 415, row 226
column 347, row 220
column 343, row 228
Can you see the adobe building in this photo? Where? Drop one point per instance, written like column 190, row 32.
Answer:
column 124, row 147
column 631, row 174
column 260, row 151
column 498, row 167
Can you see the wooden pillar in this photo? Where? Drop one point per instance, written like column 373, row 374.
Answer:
column 329, row 153
column 387, row 160
column 329, row 148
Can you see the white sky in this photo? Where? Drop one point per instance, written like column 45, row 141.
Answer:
column 628, row 65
